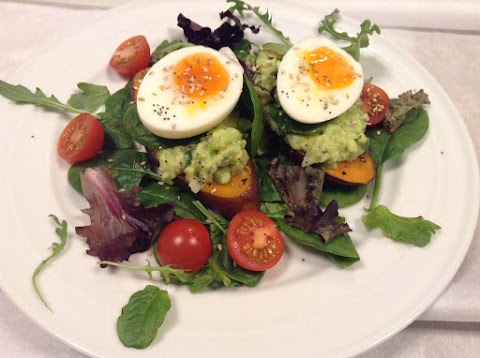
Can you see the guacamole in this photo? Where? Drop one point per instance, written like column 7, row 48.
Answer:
column 216, row 157
column 264, row 78
column 342, row 138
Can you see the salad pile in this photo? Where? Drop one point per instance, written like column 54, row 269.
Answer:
column 219, row 151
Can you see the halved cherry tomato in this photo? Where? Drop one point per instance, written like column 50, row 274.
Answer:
column 376, row 103
column 131, row 56
column 253, row 241
column 81, row 139
column 184, row 244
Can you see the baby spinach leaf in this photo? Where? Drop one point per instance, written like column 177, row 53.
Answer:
column 268, row 190
column 416, row 231
column 357, row 42
column 165, row 48
column 344, row 196
column 128, row 167
column 135, row 128
column 20, row 94
column 285, row 125
column 90, row 98
column 274, row 210
column 142, row 316
column 339, row 249
column 241, row 49
column 155, row 194
column 116, row 136
column 385, row 146
column 56, row 248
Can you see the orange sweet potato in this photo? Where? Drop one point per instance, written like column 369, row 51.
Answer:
column 137, row 79
column 359, row 171
column 241, row 193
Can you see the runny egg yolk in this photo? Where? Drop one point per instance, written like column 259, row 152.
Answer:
column 200, row 75
column 329, row 69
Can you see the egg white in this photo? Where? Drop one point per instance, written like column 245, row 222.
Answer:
column 300, row 96
column 165, row 109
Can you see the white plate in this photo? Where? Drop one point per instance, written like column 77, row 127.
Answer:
column 305, row 306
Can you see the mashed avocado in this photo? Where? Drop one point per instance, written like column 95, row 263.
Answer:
column 265, row 67
column 342, row 138
column 217, row 156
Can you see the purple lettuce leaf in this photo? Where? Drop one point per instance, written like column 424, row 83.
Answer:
column 301, row 188
column 120, row 226
column 225, row 35
column 313, row 220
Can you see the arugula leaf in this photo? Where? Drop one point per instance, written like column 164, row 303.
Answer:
column 241, row 6
column 90, row 98
column 166, row 272
column 155, row 194
column 357, row 42
column 56, row 248
column 20, row 94
column 416, row 231
column 220, row 269
column 142, row 316
column 257, row 126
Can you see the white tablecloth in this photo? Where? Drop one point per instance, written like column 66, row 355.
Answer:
column 446, row 42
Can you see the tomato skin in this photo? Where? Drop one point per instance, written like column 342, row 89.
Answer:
column 184, row 244
column 376, row 103
column 131, row 56
column 81, row 139
column 254, row 242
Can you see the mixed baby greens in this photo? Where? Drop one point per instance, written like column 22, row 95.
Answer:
column 132, row 181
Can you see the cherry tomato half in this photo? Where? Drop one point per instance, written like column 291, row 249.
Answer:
column 81, row 139
column 184, row 244
column 131, row 56
column 376, row 103
column 253, row 241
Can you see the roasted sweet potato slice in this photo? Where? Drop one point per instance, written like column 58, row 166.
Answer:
column 137, row 79
column 359, row 171
column 241, row 193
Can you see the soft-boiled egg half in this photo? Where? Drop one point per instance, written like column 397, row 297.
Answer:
column 189, row 91
column 318, row 81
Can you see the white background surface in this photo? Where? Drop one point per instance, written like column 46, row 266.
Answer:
column 451, row 328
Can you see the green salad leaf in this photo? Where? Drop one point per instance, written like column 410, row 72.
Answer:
column 416, row 231
column 128, row 168
column 21, row 94
column 357, row 42
column 155, row 194
column 166, row 272
column 90, row 98
column 241, row 6
column 142, row 316
column 165, row 48
column 56, row 248
column 257, row 126
column 340, row 249
column 384, row 145
column 116, row 136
